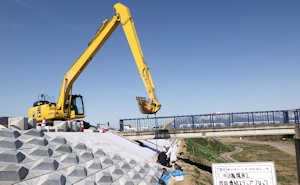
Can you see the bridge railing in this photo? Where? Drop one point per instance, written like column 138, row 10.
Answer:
column 237, row 119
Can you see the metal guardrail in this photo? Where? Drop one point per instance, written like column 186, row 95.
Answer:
column 220, row 120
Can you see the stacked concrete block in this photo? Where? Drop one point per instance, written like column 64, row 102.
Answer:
column 4, row 121
column 60, row 126
column 74, row 126
column 19, row 123
column 49, row 128
column 31, row 123
column 64, row 126
column 31, row 157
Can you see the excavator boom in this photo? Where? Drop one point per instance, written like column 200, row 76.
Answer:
column 73, row 73
column 145, row 106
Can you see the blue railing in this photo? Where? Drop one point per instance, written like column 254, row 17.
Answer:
column 237, row 119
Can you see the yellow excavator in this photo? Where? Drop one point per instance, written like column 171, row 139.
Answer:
column 166, row 124
column 70, row 106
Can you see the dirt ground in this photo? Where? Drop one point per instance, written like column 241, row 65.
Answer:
column 281, row 145
column 228, row 155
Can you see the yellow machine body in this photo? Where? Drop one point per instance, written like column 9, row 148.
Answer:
column 48, row 111
column 63, row 110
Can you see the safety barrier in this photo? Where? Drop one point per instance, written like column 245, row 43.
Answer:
column 220, row 120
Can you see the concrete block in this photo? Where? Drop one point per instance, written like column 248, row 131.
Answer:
column 58, row 140
column 37, row 141
column 11, row 157
column 151, row 179
column 85, row 182
column 65, row 148
column 106, row 162
column 117, row 157
column 117, row 173
column 143, row 182
column 34, row 132
column 141, row 170
column 146, row 166
column 13, row 173
column 74, row 126
column 2, row 127
column 125, row 166
column 85, row 156
column 69, row 159
column 99, row 152
column 151, row 172
column 77, row 127
column 132, row 162
column 124, row 180
column 137, row 177
column 77, row 171
column 52, row 179
column 129, row 183
column 8, row 133
column 31, row 123
column 49, row 129
column 4, row 121
column 19, row 123
column 10, row 144
column 90, row 130
column 90, row 180
column 41, row 152
column 60, row 126
column 105, row 179
column 45, row 164
column 94, row 164
column 80, row 146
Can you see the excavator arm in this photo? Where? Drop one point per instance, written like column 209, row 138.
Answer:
column 122, row 15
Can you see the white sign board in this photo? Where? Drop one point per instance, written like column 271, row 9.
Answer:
column 245, row 173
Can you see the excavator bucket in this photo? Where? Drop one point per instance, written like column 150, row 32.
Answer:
column 146, row 106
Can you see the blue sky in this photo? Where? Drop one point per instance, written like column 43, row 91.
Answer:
column 204, row 56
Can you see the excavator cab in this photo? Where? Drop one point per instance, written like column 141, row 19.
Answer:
column 76, row 106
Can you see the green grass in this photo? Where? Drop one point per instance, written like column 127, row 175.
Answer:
column 196, row 176
column 285, row 164
column 208, row 180
column 281, row 178
column 201, row 179
column 206, row 150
